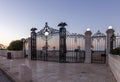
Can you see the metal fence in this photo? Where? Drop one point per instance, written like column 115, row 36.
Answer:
column 62, row 46
column 117, row 41
column 115, row 44
column 75, row 44
column 52, row 53
column 98, row 47
column 75, row 47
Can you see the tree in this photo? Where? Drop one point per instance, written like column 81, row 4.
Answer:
column 16, row 45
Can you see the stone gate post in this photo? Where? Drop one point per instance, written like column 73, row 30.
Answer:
column 62, row 42
column 29, row 48
column 33, row 44
column 88, row 34
column 110, row 32
column 24, row 49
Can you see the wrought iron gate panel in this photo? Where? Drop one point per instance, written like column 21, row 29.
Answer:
column 75, row 47
column 53, row 48
column 98, row 48
column 48, row 44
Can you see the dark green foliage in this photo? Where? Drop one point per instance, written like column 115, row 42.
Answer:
column 116, row 51
column 16, row 45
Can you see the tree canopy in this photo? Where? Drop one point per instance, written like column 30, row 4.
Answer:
column 16, row 45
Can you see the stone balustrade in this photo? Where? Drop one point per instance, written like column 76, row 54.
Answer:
column 14, row 54
column 114, row 63
column 3, row 53
column 17, row 54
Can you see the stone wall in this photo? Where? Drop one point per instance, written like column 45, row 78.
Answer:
column 114, row 63
column 3, row 53
column 17, row 54
column 14, row 54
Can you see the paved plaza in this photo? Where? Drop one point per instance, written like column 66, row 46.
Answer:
column 4, row 78
column 61, row 72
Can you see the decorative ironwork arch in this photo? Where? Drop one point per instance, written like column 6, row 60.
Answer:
column 51, row 30
column 98, row 34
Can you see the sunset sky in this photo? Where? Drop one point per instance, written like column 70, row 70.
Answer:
column 18, row 16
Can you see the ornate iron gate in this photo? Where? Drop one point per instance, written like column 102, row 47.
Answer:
column 48, row 46
column 62, row 46
column 51, row 47
column 98, row 48
column 75, row 47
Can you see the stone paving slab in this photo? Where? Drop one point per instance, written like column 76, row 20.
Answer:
column 66, row 72
column 4, row 77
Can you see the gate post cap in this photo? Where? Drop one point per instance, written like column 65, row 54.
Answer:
column 110, row 27
column 88, row 31
column 110, row 30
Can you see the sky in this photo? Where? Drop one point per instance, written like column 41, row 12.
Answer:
column 17, row 17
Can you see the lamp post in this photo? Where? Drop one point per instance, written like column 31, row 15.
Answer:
column 46, row 33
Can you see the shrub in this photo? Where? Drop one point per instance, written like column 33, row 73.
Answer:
column 116, row 51
column 16, row 45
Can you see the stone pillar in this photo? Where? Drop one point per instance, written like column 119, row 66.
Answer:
column 29, row 48
column 3, row 60
column 110, row 33
column 25, row 73
column 33, row 44
column 62, row 57
column 11, row 66
column 62, row 42
column 7, row 65
column 88, row 34
column 24, row 49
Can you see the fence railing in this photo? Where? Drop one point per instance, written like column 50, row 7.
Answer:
column 95, row 48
